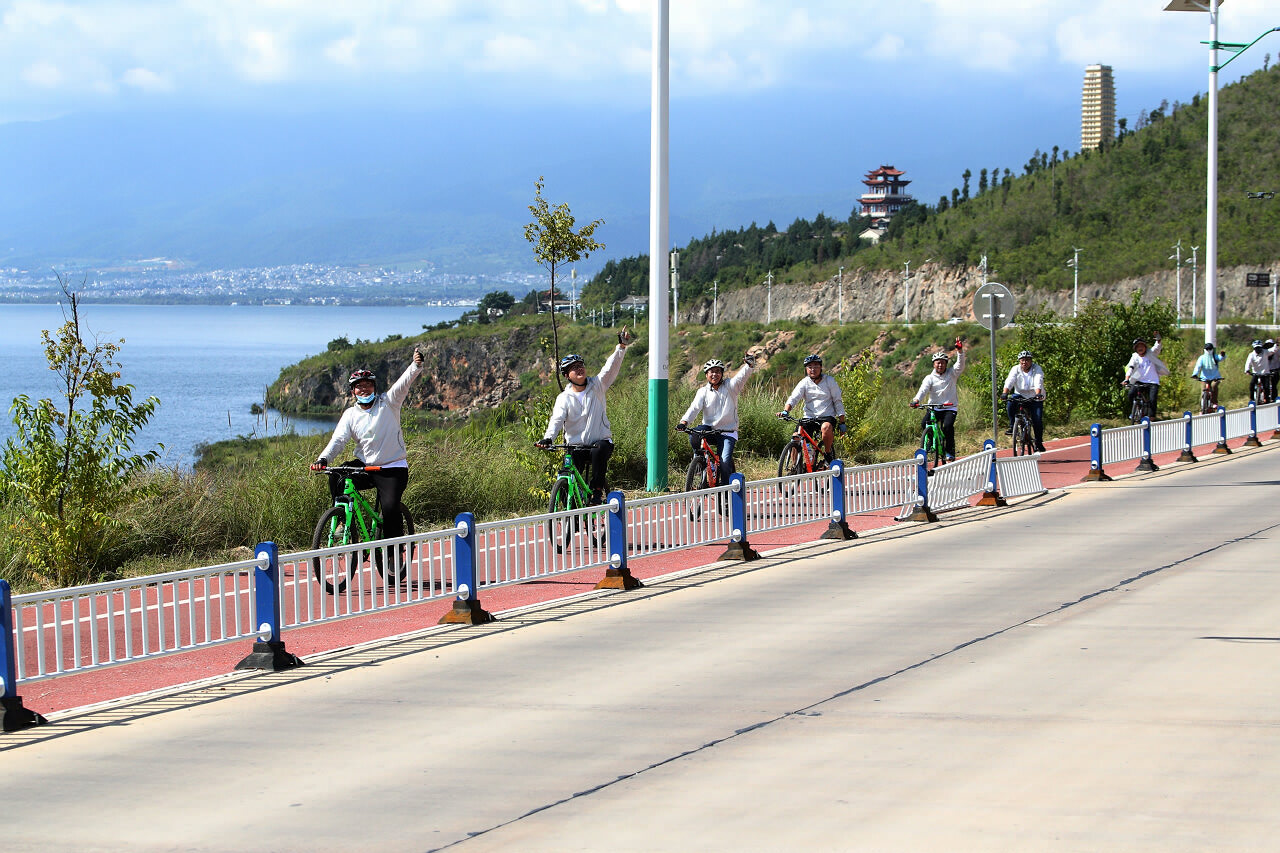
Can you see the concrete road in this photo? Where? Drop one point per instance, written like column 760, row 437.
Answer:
column 1092, row 670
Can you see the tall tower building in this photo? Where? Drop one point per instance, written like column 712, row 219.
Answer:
column 1097, row 107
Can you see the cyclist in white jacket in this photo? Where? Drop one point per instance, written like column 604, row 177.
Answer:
column 821, row 400
column 373, row 423
column 718, row 403
column 580, row 411
column 940, row 388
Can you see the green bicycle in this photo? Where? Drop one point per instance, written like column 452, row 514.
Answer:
column 569, row 492
column 932, row 440
column 351, row 520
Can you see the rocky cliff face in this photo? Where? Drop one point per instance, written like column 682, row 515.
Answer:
column 460, row 376
column 940, row 293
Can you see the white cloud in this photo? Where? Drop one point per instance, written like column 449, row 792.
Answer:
column 43, row 74
column 888, row 47
column 146, row 80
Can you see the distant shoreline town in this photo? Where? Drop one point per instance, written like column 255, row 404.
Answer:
column 161, row 282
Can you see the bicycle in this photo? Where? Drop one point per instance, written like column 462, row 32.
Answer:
column 1258, row 388
column 933, row 440
column 1024, row 435
column 571, row 492
column 1206, row 394
column 1141, row 407
column 351, row 520
column 706, row 469
column 803, row 453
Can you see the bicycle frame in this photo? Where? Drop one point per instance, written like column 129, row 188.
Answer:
column 935, row 441
column 357, row 507
column 810, row 448
column 709, row 453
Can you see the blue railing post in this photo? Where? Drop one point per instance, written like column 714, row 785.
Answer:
column 991, row 495
column 839, row 526
column 268, row 652
column 466, row 605
column 1146, row 463
column 1187, row 454
column 1222, row 449
column 922, row 511
column 1095, row 456
column 16, row 717
column 618, row 575
column 739, row 548
column 1252, row 440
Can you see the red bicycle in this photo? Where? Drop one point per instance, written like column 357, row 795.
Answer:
column 803, row 453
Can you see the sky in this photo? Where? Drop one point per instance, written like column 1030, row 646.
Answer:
column 948, row 84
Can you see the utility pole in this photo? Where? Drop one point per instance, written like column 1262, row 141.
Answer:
column 769, row 298
column 1194, row 262
column 841, row 290
column 715, row 299
column 1074, row 263
column 906, row 293
column 1176, row 257
column 659, row 208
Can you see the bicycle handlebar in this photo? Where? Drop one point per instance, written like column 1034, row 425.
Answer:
column 563, row 446
column 701, row 429
column 346, row 469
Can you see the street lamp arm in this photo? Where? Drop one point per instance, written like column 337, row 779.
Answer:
column 1236, row 48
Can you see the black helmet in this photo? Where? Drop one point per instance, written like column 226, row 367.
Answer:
column 1137, row 341
column 812, row 359
column 569, row 361
column 361, row 376
column 1208, row 347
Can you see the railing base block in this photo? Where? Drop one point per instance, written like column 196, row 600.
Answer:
column 991, row 499
column 1147, row 466
column 619, row 579
column 1222, row 450
column 16, row 717
column 467, row 612
column 839, row 530
column 1252, row 441
column 740, row 551
column 1188, row 456
column 922, row 513
column 271, row 657
column 1096, row 475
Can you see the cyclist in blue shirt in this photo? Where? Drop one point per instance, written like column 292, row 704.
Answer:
column 1206, row 370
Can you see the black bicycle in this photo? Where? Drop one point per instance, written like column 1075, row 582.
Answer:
column 1141, row 407
column 1024, row 434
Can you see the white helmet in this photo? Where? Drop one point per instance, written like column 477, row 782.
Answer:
column 715, row 362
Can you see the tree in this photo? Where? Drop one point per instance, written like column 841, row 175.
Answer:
column 498, row 301
column 555, row 244
column 71, row 466
column 964, row 195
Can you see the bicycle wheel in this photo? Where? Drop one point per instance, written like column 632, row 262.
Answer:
column 1206, row 402
column 407, row 552
column 1023, row 443
column 791, row 460
column 333, row 571
column 695, row 478
column 560, row 530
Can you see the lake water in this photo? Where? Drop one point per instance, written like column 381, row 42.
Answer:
column 207, row 363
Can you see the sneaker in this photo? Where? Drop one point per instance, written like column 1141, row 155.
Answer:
column 949, row 458
column 1040, row 447
column 597, row 498
column 1009, row 431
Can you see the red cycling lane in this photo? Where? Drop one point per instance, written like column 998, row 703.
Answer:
column 1065, row 463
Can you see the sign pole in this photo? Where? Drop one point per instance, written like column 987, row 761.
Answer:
column 995, row 406
column 998, row 311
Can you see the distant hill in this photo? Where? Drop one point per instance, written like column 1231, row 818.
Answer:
column 1124, row 206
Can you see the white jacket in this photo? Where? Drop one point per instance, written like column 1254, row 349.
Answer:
column 942, row 390
column 822, row 399
column 719, row 406
column 581, row 414
column 376, row 430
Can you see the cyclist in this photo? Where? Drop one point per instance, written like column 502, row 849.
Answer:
column 1273, row 365
column 940, row 388
column 819, row 395
column 1143, row 372
column 1257, row 366
column 373, row 423
column 718, row 403
column 1026, row 379
column 580, row 412
column 1206, row 370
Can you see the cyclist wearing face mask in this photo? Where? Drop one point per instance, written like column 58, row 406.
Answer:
column 373, row 423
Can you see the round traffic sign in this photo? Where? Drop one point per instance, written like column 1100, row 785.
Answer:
column 994, row 305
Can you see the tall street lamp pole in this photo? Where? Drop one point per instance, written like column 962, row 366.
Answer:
column 1211, row 202
column 906, row 289
column 1194, row 261
column 841, row 292
column 659, row 245
column 1176, row 257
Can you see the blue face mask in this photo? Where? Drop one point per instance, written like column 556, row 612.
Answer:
column 364, row 401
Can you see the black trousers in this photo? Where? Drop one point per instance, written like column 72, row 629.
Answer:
column 390, row 483
column 593, row 462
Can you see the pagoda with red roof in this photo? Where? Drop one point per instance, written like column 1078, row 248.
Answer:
column 886, row 195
